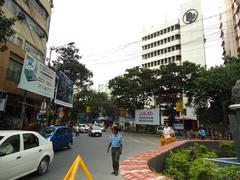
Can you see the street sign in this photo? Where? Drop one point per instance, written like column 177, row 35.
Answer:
column 179, row 106
column 88, row 109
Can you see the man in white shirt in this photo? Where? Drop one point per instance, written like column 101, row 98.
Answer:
column 167, row 131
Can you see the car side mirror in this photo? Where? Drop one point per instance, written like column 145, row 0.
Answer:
column 2, row 154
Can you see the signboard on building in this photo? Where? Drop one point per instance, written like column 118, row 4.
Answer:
column 178, row 126
column 147, row 117
column 37, row 77
column 3, row 100
column 179, row 106
column 64, row 93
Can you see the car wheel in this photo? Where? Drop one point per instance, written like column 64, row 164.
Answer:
column 43, row 166
column 69, row 146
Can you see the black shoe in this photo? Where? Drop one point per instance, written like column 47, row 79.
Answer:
column 116, row 173
column 113, row 173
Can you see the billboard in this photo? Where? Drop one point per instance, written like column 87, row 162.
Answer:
column 64, row 93
column 37, row 77
column 147, row 117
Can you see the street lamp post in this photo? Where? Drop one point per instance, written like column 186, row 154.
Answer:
column 53, row 48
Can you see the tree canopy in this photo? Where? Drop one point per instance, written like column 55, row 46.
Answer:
column 133, row 89
column 99, row 102
column 208, row 91
column 68, row 63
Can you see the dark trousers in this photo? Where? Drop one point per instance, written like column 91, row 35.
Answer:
column 115, row 159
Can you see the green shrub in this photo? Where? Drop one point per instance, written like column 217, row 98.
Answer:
column 201, row 169
column 181, row 165
column 178, row 164
column 227, row 149
column 230, row 172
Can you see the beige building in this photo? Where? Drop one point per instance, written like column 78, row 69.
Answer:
column 31, row 32
column 230, row 29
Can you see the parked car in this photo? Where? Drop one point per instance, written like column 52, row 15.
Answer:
column 95, row 131
column 23, row 152
column 102, row 127
column 84, row 128
column 61, row 136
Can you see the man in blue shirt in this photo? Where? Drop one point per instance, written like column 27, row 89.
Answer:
column 116, row 144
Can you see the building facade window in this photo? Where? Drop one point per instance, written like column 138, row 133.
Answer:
column 26, row 19
column 14, row 68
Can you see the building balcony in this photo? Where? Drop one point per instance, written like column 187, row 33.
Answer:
column 27, row 47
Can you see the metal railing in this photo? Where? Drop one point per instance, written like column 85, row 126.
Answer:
column 26, row 46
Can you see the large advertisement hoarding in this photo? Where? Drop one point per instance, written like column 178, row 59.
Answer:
column 37, row 77
column 147, row 117
column 64, row 93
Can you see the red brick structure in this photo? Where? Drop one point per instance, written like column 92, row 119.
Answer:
column 136, row 168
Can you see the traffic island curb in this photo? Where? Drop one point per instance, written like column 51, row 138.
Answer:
column 136, row 167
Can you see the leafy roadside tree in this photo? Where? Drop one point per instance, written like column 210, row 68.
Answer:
column 212, row 93
column 175, row 81
column 68, row 63
column 99, row 102
column 132, row 90
column 5, row 30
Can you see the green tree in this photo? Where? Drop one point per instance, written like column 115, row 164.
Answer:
column 132, row 90
column 212, row 93
column 5, row 30
column 174, row 81
column 68, row 63
column 99, row 102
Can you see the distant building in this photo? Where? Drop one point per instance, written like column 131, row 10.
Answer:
column 177, row 41
column 31, row 33
column 103, row 88
column 230, row 27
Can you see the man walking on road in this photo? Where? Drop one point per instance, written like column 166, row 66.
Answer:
column 116, row 144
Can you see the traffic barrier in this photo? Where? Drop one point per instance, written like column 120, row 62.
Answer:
column 165, row 141
column 72, row 172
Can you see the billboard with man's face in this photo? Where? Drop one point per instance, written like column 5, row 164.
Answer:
column 64, row 93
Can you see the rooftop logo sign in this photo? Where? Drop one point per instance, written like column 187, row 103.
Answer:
column 190, row 16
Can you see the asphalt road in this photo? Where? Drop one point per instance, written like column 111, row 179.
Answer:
column 93, row 151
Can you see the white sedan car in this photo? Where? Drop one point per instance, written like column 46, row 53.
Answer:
column 23, row 152
column 84, row 128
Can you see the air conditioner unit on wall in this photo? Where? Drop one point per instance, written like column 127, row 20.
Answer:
column 42, row 35
column 21, row 15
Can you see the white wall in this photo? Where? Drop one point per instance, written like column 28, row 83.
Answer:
column 192, row 35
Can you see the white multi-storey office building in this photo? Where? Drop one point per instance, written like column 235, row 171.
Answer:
column 176, row 41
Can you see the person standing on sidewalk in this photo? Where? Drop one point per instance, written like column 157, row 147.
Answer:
column 117, row 145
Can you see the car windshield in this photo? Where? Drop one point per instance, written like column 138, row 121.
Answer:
column 1, row 137
column 47, row 131
column 96, row 128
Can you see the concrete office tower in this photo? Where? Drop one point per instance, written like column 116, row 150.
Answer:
column 31, row 32
column 229, row 26
column 192, row 33
column 161, row 45
column 177, row 41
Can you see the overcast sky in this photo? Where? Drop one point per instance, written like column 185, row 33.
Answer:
column 108, row 32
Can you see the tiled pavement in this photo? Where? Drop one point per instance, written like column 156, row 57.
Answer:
column 136, row 168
